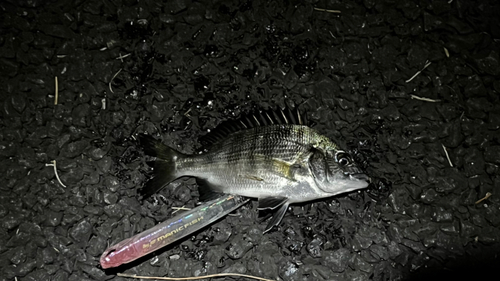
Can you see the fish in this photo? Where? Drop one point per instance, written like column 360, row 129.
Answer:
column 274, row 156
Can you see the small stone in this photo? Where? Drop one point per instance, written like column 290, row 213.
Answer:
column 17, row 255
column 82, row 231
column 18, row 102
column 474, row 163
column 337, row 260
column 113, row 211
column 492, row 154
column 97, row 153
column 314, row 247
column 442, row 215
column 222, row 233
column 74, row 149
column 110, row 198
column 237, row 249
column 26, row 267
column 49, row 255
column 380, row 251
column 429, row 196
column 360, row 242
column 12, row 220
column 111, row 183
column 488, row 63
column 361, row 264
column 53, row 218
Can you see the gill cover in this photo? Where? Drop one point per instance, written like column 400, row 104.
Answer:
column 318, row 166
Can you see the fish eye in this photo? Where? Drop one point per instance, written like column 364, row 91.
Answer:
column 342, row 158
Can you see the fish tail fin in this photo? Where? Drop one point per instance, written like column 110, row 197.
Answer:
column 164, row 166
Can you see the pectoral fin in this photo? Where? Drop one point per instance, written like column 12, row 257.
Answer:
column 278, row 216
column 271, row 202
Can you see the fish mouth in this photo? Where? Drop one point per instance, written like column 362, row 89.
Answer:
column 360, row 177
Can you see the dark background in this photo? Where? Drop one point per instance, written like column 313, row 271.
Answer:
column 176, row 69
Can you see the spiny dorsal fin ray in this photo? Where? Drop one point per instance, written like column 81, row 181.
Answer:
column 256, row 119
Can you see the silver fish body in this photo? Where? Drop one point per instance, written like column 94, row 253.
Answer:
column 271, row 161
column 278, row 164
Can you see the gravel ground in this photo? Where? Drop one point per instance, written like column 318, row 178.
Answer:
column 411, row 87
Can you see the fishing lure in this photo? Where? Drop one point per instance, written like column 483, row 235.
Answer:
column 170, row 231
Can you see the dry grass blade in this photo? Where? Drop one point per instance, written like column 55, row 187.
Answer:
column 55, row 171
column 423, row 99
column 194, row 278
column 328, row 10
column 447, row 156
column 112, row 78
column 56, row 98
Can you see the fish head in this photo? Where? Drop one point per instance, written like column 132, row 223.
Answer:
column 335, row 172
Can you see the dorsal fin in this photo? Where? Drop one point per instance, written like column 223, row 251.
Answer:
column 254, row 119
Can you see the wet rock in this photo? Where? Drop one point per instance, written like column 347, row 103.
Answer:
column 81, row 232
column 74, row 149
column 237, row 249
column 25, row 268
column 380, row 251
column 450, row 228
column 222, row 232
column 488, row 63
column 80, row 114
column 94, row 272
column 18, row 102
column 177, row 6
column 53, row 218
column 442, row 215
column 12, row 220
column 72, row 176
column 337, row 260
column 474, row 163
column 49, row 255
column 455, row 136
column 402, row 258
column 289, row 270
column 492, row 154
column 314, row 247
column 360, row 264
column 113, row 211
column 17, row 255
column 97, row 153
column 111, row 183
column 429, row 196
column 360, row 242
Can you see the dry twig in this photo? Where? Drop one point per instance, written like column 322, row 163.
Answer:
column 488, row 194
